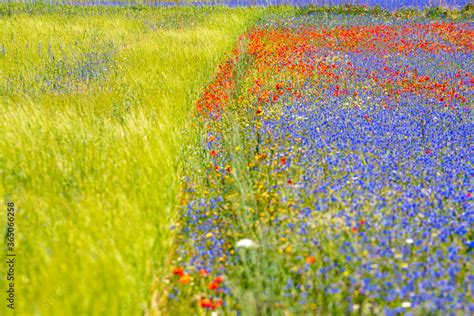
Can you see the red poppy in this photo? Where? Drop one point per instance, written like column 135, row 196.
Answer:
column 310, row 260
column 427, row 151
column 205, row 303
column 213, row 286
column 178, row 271
column 213, row 153
column 203, row 273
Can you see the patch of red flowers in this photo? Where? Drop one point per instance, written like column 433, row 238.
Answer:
column 178, row 271
column 291, row 52
column 209, row 304
column 215, row 284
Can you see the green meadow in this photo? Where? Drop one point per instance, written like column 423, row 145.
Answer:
column 94, row 103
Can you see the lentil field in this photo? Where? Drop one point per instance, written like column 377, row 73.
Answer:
column 257, row 160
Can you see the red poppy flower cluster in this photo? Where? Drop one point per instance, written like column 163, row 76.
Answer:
column 220, row 89
column 210, row 304
column 302, row 54
column 215, row 285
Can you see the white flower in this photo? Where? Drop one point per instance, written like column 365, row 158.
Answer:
column 406, row 304
column 214, row 313
column 245, row 243
column 355, row 307
column 409, row 241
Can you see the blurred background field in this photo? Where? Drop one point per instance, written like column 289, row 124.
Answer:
column 387, row 4
column 93, row 102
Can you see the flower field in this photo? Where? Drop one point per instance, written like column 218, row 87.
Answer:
column 336, row 172
column 237, row 157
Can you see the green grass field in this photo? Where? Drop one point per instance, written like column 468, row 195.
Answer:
column 93, row 105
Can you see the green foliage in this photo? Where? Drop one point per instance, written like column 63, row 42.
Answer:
column 466, row 13
column 436, row 12
column 346, row 9
column 407, row 13
column 468, row 10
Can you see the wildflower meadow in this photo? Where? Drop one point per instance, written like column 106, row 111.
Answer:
column 237, row 157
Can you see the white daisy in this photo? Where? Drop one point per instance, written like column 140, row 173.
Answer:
column 245, row 243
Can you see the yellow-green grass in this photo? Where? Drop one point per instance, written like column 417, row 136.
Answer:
column 93, row 103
